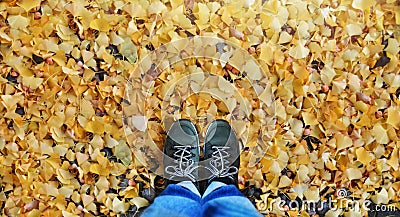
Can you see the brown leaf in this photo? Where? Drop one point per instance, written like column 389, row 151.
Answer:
column 31, row 205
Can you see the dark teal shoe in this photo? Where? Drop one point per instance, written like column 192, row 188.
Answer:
column 181, row 153
column 221, row 153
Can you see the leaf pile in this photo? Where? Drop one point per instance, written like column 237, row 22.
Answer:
column 332, row 67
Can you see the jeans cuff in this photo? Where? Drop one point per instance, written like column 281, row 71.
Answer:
column 176, row 190
column 224, row 191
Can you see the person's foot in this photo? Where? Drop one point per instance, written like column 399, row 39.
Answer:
column 181, row 153
column 221, row 153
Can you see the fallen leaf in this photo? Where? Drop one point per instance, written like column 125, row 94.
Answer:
column 123, row 152
column 27, row 5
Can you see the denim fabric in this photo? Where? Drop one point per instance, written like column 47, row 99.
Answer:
column 190, row 186
column 211, row 187
column 176, row 201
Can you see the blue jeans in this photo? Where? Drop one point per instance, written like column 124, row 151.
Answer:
column 178, row 201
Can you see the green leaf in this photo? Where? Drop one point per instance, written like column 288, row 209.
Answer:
column 123, row 152
column 129, row 50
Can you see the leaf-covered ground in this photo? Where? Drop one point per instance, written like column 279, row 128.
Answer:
column 332, row 67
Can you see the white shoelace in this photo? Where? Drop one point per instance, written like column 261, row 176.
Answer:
column 218, row 163
column 184, row 165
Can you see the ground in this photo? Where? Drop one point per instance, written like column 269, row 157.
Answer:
column 88, row 89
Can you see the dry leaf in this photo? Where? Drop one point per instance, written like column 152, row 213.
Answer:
column 394, row 116
column 30, row 206
column 363, row 5
column 299, row 51
column 123, row 152
column 353, row 173
column 139, row 202
column 364, row 156
column 119, row 206
column 380, row 134
column 18, row 22
column 329, row 66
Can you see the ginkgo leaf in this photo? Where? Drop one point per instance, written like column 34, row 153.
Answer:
column 139, row 202
column 32, row 82
column 353, row 173
column 299, row 51
column 27, row 5
column 364, row 156
column 380, row 134
column 363, row 5
column 100, row 24
column 18, row 22
column 394, row 116
column 123, row 152
column 353, row 29
column 119, row 206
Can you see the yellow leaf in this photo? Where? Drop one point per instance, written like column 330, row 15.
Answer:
column 267, row 53
column 10, row 101
column 68, row 214
column 86, row 109
column 100, row 24
column 271, row 6
column 156, row 7
column 183, row 21
column 300, row 71
column 327, row 74
column 86, row 199
column 95, row 168
column 80, row 157
column 299, row 51
column 284, row 37
column 253, row 70
column 110, row 142
column 381, row 198
column 393, row 46
column 18, row 22
column 69, row 71
column 354, row 29
column 119, row 206
column 312, row 194
column 343, row 141
column 204, row 13
column 27, row 5
column 363, row 4
column 394, row 116
column 34, row 213
column 309, row 118
column 139, row 202
column 103, row 183
column 363, row 156
column 32, row 82
column 95, row 127
column 284, row 182
column 380, row 134
column 394, row 159
column 51, row 190
column 353, row 173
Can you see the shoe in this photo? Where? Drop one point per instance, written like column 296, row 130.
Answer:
column 221, row 153
column 181, row 153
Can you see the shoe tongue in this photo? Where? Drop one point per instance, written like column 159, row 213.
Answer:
column 182, row 136
column 219, row 136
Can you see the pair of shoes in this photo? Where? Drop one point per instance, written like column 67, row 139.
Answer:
column 182, row 154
